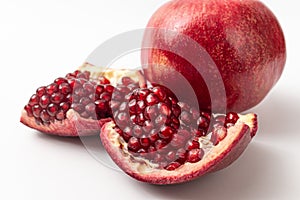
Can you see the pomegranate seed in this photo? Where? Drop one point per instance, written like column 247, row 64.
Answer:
column 176, row 110
column 77, row 72
column 203, row 123
column 38, row 121
column 164, row 109
column 89, row 87
column 231, row 118
column 199, row 133
column 153, row 136
column 171, row 156
column 137, row 131
column 148, row 126
column 70, row 98
column 60, row 80
column 103, row 80
column 151, row 112
column 105, row 96
column 184, row 106
column 28, row 109
column 132, row 106
column 159, row 144
column 74, row 83
column 65, row 88
column 41, row 91
column 218, row 134
column 152, row 99
column 160, row 120
column 36, row 110
column 82, row 76
column 160, row 93
column 65, row 106
column 185, row 117
column 123, row 106
column 80, row 92
column 195, row 113
column 178, row 140
column 172, row 166
column 45, row 116
column 166, row 132
column 194, row 155
column 192, row 145
column 140, row 119
column 109, row 88
column 145, row 142
column 181, row 155
column 50, row 89
column 44, row 101
column 122, row 117
column 52, row 109
column 127, row 134
column 85, row 100
column 56, row 98
column 133, row 144
column 34, row 99
column 77, row 107
column 101, row 105
column 207, row 115
column 140, row 106
column 90, row 108
column 99, row 89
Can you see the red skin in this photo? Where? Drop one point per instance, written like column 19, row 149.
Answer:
column 243, row 38
column 73, row 126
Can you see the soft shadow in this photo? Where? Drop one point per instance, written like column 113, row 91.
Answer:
column 92, row 144
column 58, row 139
column 249, row 174
column 278, row 115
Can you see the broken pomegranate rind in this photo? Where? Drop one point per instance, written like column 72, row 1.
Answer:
column 215, row 158
column 72, row 126
column 113, row 75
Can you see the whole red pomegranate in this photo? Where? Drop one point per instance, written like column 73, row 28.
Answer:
column 243, row 38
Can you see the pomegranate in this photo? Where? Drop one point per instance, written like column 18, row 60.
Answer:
column 82, row 97
column 243, row 38
column 157, row 139
column 146, row 130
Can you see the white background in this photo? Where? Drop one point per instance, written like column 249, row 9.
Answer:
column 41, row 40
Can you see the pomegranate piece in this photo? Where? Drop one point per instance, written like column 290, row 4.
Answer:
column 180, row 147
column 81, row 97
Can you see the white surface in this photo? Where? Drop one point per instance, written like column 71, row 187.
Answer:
column 41, row 40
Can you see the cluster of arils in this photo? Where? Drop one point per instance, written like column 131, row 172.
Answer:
column 88, row 97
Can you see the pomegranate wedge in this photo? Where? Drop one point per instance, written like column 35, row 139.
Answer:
column 157, row 139
column 77, row 104
column 204, row 158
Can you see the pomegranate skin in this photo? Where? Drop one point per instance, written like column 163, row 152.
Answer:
column 243, row 38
